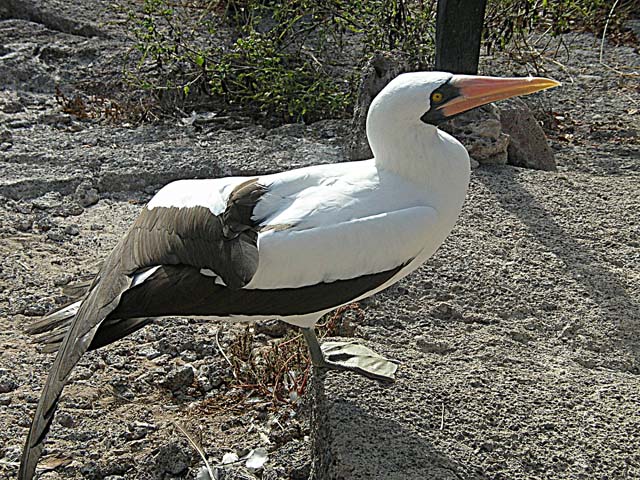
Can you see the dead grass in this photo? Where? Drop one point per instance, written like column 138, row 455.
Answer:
column 279, row 371
column 95, row 107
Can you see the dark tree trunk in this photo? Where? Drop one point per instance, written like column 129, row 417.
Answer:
column 458, row 31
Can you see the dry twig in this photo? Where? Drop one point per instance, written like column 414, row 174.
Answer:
column 196, row 445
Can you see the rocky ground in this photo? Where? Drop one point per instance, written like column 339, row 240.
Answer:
column 520, row 339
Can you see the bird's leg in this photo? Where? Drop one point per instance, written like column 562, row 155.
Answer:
column 348, row 356
column 317, row 357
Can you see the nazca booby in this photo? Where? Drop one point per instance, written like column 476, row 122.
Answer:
column 293, row 245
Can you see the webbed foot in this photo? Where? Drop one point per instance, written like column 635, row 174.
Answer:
column 349, row 356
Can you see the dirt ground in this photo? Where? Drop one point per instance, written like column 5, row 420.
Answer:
column 524, row 328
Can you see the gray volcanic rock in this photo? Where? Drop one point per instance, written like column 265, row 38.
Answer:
column 528, row 146
column 480, row 131
column 379, row 70
column 86, row 194
column 55, row 15
column 36, row 59
column 7, row 381
column 178, row 378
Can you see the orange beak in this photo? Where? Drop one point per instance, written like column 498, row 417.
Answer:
column 475, row 91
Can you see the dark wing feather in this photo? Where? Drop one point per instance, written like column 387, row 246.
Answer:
column 225, row 243
column 161, row 236
column 182, row 290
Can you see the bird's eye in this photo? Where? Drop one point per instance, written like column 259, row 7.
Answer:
column 437, row 97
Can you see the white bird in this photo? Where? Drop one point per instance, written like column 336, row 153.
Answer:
column 291, row 246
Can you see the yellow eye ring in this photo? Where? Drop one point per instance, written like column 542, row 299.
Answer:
column 437, row 97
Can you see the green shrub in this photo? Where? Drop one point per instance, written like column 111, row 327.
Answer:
column 290, row 60
column 297, row 60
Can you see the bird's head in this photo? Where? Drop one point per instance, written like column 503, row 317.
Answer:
column 433, row 97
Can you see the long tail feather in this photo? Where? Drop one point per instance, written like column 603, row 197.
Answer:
column 59, row 318
column 51, row 330
column 99, row 303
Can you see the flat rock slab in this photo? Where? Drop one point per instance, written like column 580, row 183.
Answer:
column 83, row 18
column 145, row 158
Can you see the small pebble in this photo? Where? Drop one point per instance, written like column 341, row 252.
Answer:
column 178, row 378
column 6, row 136
column 61, row 280
column 55, row 236
column 12, row 106
column 446, row 311
column 7, row 384
column 72, row 230
column 65, row 419
column 149, row 353
column 24, row 225
column 86, row 194
column 432, row 346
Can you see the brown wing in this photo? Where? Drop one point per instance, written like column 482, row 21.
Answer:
column 195, row 237
column 225, row 243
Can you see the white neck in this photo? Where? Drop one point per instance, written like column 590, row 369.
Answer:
column 423, row 155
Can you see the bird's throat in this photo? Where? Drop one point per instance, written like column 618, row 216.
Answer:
column 420, row 153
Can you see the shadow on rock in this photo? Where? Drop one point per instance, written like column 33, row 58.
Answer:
column 350, row 443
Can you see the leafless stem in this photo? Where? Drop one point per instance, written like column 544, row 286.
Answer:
column 606, row 25
column 195, row 444
column 224, row 354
